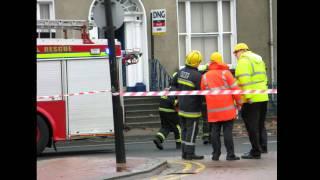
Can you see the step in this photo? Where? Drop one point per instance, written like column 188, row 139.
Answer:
column 141, row 106
column 132, row 113
column 142, row 119
column 148, row 124
column 141, row 100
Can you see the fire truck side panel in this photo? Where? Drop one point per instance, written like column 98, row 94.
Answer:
column 89, row 114
column 55, row 114
column 49, row 78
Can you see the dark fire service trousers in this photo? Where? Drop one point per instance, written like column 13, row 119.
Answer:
column 254, row 118
column 189, row 132
column 227, row 134
column 170, row 123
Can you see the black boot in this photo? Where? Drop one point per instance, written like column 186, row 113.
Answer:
column 249, row 155
column 264, row 149
column 232, row 157
column 158, row 143
column 193, row 156
column 215, row 156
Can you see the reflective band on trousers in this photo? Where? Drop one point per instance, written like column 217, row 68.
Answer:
column 221, row 109
column 189, row 114
column 179, row 129
column 193, row 131
column 185, row 82
column 250, row 83
column 166, row 110
column 188, row 143
column 161, row 135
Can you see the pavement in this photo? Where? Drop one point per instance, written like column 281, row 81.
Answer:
column 97, row 168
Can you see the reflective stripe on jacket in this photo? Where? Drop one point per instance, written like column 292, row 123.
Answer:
column 251, row 75
column 220, row 107
column 187, row 79
column 167, row 104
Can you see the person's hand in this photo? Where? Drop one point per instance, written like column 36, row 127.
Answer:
column 239, row 107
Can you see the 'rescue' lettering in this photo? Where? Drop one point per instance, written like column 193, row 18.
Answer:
column 57, row 49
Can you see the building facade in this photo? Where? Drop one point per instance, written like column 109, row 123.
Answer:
column 205, row 25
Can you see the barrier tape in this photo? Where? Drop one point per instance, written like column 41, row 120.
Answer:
column 167, row 93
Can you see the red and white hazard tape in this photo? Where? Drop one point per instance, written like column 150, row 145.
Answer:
column 168, row 93
column 71, row 94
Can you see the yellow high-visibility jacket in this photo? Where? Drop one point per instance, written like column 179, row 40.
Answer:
column 251, row 75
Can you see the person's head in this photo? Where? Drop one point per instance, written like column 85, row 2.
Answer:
column 216, row 57
column 239, row 49
column 194, row 58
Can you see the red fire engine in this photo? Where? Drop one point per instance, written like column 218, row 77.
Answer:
column 66, row 66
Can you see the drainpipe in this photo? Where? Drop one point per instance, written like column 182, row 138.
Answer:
column 271, row 42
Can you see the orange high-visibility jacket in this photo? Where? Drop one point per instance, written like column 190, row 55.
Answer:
column 220, row 107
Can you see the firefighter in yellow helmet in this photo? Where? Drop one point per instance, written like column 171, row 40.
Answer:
column 221, row 109
column 251, row 75
column 187, row 79
column 206, row 128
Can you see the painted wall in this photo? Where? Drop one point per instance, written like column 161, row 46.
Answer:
column 165, row 46
column 253, row 27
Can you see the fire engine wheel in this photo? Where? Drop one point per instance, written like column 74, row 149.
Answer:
column 42, row 134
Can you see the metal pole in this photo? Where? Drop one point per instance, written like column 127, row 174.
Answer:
column 152, row 40
column 117, row 109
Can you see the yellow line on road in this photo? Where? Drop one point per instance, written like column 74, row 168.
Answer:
column 186, row 169
column 188, row 166
column 201, row 167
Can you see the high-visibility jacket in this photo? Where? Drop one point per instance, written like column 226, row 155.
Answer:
column 251, row 75
column 220, row 107
column 188, row 79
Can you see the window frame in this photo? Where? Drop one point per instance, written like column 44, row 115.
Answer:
column 52, row 15
column 187, row 36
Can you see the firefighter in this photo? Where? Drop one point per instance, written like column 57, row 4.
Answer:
column 205, row 125
column 251, row 75
column 169, row 121
column 221, row 108
column 187, row 79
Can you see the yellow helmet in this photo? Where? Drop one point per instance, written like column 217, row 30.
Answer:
column 240, row 46
column 194, row 58
column 216, row 57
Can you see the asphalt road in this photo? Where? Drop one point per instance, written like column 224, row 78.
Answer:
column 143, row 148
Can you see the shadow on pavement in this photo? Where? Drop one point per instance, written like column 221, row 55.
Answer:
column 59, row 154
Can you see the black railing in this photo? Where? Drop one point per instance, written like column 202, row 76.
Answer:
column 159, row 77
